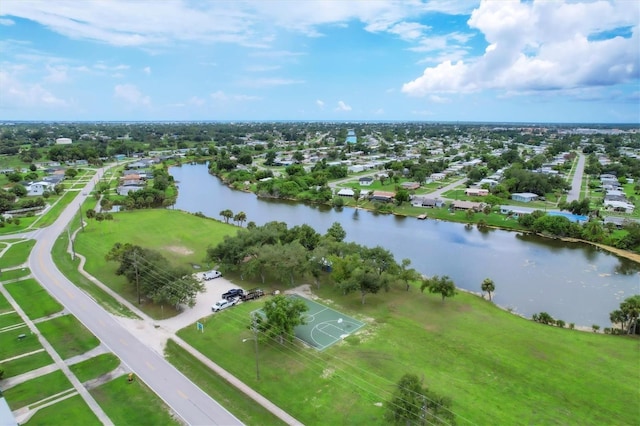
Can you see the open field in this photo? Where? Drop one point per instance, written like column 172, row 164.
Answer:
column 67, row 336
column 11, row 345
column 17, row 254
column 498, row 368
column 184, row 243
column 243, row 407
column 5, row 306
column 69, row 268
column 33, row 299
column 131, row 403
column 14, row 274
column 10, row 319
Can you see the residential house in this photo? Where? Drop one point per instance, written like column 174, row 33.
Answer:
column 619, row 206
column 524, row 197
column 426, row 202
column 438, row 176
column 382, row 196
column 124, row 190
column 488, row 181
column 365, row 181
column 467, row 205
column 476, row 192
column 410, row 185
column 38, row 188
column 346, row 192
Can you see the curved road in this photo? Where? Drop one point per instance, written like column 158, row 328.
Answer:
column 193, row 405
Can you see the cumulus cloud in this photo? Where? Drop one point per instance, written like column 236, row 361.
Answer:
column 147, row 70
column 131, row 95
column 57, row 74
column 320, row 104
column 15, row 93
column 343, row 107
column 541, row 46
column 249, row 23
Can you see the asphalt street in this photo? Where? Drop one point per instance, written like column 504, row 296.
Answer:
column 193, row 405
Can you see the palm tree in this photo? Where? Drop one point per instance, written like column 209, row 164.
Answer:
column 240, row 218
column 488, row 286
column 226, row 214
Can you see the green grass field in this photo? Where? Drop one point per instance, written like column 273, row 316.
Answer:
column 71, row 411
column 17, row 254
column 243, row 407
column 498, row 368
column 10, row 319
column 131, row 403
column 11, row 345
column 34, row 390
column 27, row 363
column 5, row 306
column 67, row 336
column 33, row 299
column 182, row 243
column 69, row 268
column 14, row 274
column 95, row 367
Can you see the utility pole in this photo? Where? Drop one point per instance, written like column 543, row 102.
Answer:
column 81, row 219
column 135, row 267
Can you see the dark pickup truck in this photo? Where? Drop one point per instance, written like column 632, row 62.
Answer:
column 254, row 293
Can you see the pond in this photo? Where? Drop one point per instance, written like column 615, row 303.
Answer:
column 575, row 282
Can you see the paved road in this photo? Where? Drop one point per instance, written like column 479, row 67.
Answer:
column 576, row 183
column 190, row 402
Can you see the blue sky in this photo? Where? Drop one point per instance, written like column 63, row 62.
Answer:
column 408, row 60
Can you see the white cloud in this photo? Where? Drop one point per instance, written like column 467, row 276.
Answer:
column 104, row 67
column 6, row 22
column 343, row 107
column 320, row 104
column 147, row 70
column 439, row 99
column 131, row 95
column 196, row 101
column 15, row 93
column 541, row 46
column 379, row 111
column 221, row 96
column 268, row 82
column 263, row 68
column 57, row 74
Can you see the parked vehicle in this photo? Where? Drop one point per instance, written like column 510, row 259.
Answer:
column 233, row 293
column 254, row 293
column 211, row 275
column 223, row 304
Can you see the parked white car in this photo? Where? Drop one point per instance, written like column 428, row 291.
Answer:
column 211, row 275
column 223, row 304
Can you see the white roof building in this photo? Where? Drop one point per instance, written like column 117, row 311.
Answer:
column 63, row 141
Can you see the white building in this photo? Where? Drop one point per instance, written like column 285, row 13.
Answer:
column 63, row 141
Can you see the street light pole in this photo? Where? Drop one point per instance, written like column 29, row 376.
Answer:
column 255, row 340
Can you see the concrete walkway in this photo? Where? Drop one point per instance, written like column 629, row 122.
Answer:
column 59, row 364
column 155, row 335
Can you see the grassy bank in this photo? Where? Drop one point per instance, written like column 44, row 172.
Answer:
column 498, row 368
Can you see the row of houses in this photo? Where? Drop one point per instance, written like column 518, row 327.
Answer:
column 615, row 199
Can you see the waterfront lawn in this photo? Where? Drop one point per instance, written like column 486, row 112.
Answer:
column 67, row 336
column 243, row 407
column 71, row 411
column 26, row 363
column 17, row 254
column 131, row 403
column 33, row 299
column 497, row 368
column 95, row 367
column 11, row 345
column 34, row 390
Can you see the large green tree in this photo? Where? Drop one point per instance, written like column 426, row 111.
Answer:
column 281, row 315
column 440, row 285
column 412, row 404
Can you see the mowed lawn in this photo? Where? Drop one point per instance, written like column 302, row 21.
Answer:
column 496, row 367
